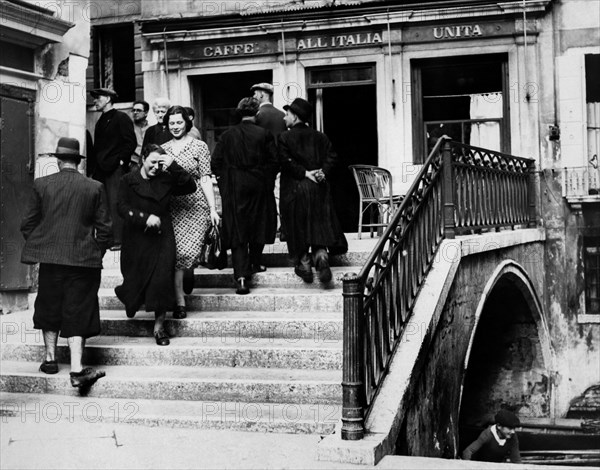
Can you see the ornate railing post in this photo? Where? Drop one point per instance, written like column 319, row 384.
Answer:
column 353, row 426
column 532, row 196
column 448, row 191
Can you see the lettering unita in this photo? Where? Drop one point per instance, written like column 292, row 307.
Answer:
column 342, row 40
column 452, row 32
column 231, row 49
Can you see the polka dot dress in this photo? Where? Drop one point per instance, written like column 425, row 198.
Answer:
column 190, row 213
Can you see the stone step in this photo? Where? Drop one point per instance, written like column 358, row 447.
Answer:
column 273, row 277
column 317, row 326
column 264, row 299
column 227, row 351
column 226, row 384
column 235, row 416
column 277, row 254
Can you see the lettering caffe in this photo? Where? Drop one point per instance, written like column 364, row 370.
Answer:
column 452, row 32
column 230, row 49
column 342, row 40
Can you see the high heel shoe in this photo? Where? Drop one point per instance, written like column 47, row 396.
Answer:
column 161, row 337
column 179, row 312
column 242, row 286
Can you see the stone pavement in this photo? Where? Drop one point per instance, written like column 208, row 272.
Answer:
column 34, row 441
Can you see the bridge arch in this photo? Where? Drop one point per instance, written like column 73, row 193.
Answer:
column 509, row 354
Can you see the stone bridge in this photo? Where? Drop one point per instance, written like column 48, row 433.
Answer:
column 477, row 340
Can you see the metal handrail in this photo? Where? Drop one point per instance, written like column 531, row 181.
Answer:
column 459, row 188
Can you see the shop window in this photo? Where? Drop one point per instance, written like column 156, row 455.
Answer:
column 16, row 57
column 115, row 67
column 462, row 97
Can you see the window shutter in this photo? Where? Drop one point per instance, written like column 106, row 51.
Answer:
column 571, row 92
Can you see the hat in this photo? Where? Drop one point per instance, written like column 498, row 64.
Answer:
column 301, row 108
column 248, row 106
column 264, row 87
column 507, row 419
column 104, row 92
column 67, row 148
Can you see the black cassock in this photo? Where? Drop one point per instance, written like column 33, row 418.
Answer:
column 148, row 255
column 245, row 163
column 307, row 211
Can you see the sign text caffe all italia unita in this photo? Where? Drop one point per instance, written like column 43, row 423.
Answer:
column 232, row 50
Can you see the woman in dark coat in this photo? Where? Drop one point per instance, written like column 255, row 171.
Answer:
column 148, row 251
column 245, row 163
column 307, row 211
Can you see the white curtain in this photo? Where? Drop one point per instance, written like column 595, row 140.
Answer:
column 486, row 106
column 593, row 141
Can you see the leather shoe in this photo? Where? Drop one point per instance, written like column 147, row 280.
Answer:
column 86, row 377
column 242, row 286
column 179, row 312
column 322, row 267
column 188, row 281
column 161, row 337
column 49, row 367
column 305, row 274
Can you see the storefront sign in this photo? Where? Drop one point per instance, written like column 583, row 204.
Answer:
column 453, row 32
column 339, row 41
column 224, row 50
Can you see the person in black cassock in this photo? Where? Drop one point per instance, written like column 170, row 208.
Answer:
column 307, row 157
column 245, row 163
column 148, row 251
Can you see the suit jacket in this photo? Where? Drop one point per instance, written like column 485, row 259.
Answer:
column 271, row 119
column 66, row 221
column 114, row 143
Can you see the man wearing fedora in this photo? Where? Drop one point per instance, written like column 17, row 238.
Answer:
column 307, row 157
column 498, row 442
column 268, row 116
column 67, row 229
column 114, row 143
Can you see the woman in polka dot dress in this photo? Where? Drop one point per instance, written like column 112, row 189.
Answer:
column 193, row 213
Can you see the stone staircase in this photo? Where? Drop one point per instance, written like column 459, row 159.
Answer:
column 267, row 361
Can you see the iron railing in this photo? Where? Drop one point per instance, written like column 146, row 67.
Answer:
column 459, row 189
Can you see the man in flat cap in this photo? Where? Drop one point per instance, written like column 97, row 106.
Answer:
column 308, row 215
column 268, row 116
column 114, row 143
column 498, row 442
column 67, row 229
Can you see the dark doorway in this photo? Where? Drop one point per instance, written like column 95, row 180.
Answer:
column 349, row 118
column 216, row 98
column 18, row 164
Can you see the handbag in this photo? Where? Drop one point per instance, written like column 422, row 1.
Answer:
column 212, row 255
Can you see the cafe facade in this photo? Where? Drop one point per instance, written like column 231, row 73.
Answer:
column 385, row 81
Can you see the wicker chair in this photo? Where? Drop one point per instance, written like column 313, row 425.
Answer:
column 376, row 196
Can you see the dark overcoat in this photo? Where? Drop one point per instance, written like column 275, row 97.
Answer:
column 306, row 208
column 271, row 119
column 148, row 255
column 114, row 143
column 245, row 163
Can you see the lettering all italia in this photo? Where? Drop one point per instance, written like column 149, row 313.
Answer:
column 341, row 40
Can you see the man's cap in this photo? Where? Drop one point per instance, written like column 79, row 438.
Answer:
column 301, row 108
column 67, row 148
column 264, row 87
column 507, row 419
column 103, row 92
